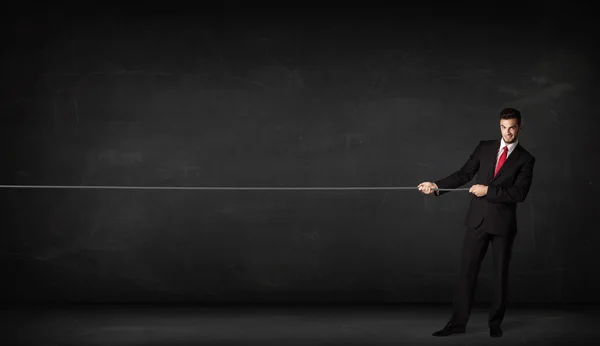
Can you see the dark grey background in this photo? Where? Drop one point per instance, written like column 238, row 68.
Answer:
column 321, row 96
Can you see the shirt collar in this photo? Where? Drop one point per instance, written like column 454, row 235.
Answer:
column 511, row 146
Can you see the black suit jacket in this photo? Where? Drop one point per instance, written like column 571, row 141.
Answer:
column 497, row 210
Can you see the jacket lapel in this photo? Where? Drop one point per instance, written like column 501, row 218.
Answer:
column 510, row 160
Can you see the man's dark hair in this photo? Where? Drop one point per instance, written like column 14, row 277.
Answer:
column 511, row 113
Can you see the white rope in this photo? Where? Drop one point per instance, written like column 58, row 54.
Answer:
column 215, row 187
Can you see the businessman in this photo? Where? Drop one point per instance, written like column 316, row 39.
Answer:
column 504, row 174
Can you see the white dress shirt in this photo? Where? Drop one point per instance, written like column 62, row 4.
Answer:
column 511, row 147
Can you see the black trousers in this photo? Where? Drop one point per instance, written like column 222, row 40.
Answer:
column 474, row 248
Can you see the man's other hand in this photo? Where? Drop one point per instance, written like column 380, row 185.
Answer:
column 479, row 190
column 427, row 187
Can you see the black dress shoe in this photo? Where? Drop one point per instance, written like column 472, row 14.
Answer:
column 450, row 329
column 495, row 332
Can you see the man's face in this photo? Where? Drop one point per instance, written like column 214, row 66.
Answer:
column 510, row 129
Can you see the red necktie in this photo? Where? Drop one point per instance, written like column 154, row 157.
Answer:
column 502, row 159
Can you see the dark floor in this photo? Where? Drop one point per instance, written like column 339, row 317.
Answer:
column 290, row 325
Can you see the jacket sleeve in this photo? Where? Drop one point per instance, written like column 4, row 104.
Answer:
column 516, row 193
column 463, row 175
